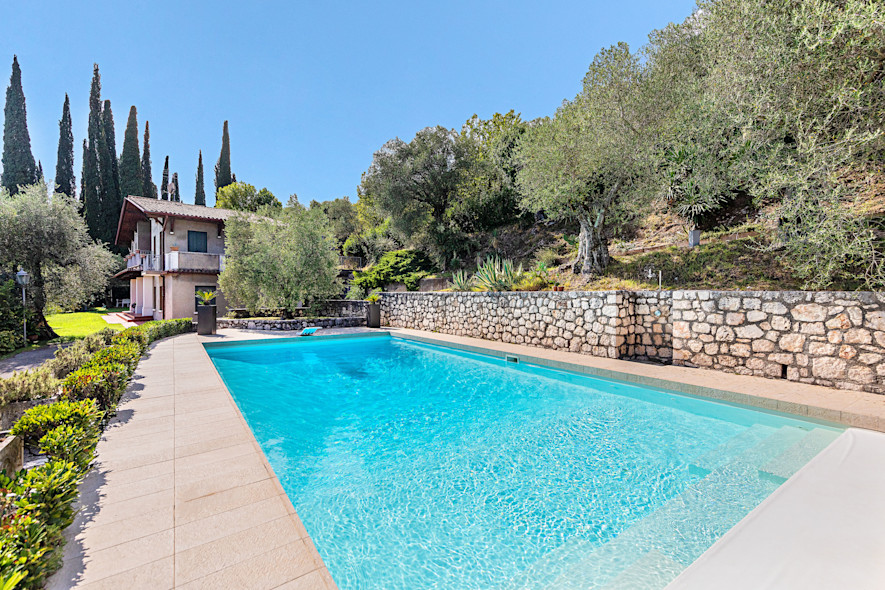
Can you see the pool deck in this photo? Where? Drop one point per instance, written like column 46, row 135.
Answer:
column 183, row 497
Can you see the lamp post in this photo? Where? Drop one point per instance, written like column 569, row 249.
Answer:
column 23, row 278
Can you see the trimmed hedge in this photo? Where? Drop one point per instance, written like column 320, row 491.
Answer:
column 104, row 383
column 38, row 421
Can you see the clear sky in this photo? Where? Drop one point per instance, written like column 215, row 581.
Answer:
column 311, row 89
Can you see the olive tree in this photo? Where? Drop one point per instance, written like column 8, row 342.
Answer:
column 584, row 162
column 46, row 236
column 280, row 259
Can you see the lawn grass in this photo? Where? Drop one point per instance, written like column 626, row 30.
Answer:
column 71, row 326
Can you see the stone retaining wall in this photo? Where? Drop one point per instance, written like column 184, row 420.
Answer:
column 297, row 324
column 835, row 339
column 826, row 338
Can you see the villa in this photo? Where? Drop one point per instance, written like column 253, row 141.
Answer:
column 175, row 250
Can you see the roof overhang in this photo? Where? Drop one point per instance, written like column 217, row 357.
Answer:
column 132, row 213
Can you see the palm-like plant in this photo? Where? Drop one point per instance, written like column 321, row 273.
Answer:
column 206, row 297
column 497, row 274
column 461, row 281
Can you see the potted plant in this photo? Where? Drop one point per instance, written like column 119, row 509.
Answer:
column 206, row 312
column 373, row 310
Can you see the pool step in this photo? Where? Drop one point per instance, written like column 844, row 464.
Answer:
column 791, row 460
column 656, row 548
column 650, row 572
column 734, row 446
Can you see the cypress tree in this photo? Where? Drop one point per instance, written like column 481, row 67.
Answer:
column 164, row 188
column 64, row 164
column 131, row 178
column 19, row 167
column 200, row 196
column 149, row 189
column 112, row 201
column 93, row 145
column 40, row 177
column 176, row 194
column 222, row 168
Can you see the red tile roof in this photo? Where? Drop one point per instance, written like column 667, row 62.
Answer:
column 136, row 209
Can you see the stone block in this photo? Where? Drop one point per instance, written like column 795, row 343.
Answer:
column 774, row 307
column 756, row 316
column 828, row 368
column 780, row 323
column 858, row 336
column 762, row 346
column 729, row 303
column 750, row 331
column 809, row 312
column 734, row 318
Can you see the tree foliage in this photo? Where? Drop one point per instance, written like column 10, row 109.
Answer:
column 131, row 173
column 245, row 197
column 48, row 237
column 19, row 167
column 200, row 192
column 581, row 164
column 149, row 189
column 279, row 261
column 164, row 186
column 223, row 174
column 342, row 217
column 64, row 167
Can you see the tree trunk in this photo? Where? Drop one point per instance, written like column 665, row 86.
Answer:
column 593, row 255
column 38, row 299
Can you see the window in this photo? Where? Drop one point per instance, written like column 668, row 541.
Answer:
column 208, row 288
column 197, row 241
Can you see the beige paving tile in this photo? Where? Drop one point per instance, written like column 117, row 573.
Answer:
column 120, row 492
column 115, row 511
column 202, row 446
column 211, row 557
column 232, row 477
column 123, row 476
column 95, row 537
column 227, row 523
column 238, row 497
column 218, row 466
column 268, row 570
column 122, row 557
column 157, row 575
column 213, row 456
column 316, row 580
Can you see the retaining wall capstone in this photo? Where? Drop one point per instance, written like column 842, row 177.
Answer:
column 296, row 324
column 835, row 339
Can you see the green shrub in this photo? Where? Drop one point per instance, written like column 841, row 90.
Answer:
column 39, row 383
column 68, row 359
column 70, row 443
column 38, row 421
column 151, row 331
column 9, row 341
column 125, row 353
column 104, row 383
column 399, row 266
column 99, row 340
column 35, row 507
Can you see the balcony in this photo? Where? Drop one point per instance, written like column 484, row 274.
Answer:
column 194, row 261
column 147, row 260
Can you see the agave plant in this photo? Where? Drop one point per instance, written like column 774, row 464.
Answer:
column 461, row 281
column 497, row 274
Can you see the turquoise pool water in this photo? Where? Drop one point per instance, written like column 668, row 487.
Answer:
column 415, row 466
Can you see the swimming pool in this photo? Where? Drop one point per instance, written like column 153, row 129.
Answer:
column 417, row 466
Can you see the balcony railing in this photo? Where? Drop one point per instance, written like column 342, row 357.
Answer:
column 194, row 261
column 146, row 259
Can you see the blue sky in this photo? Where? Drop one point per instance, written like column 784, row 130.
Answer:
column 311, row 89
